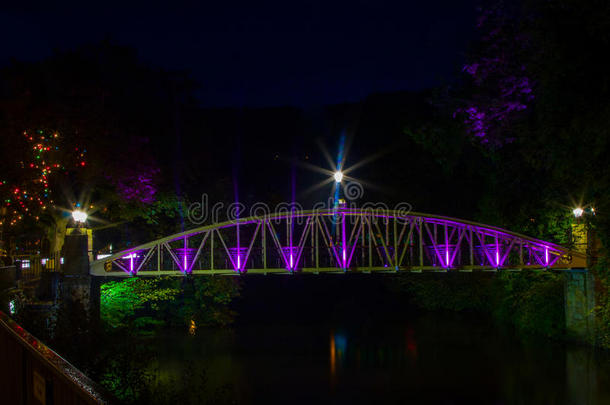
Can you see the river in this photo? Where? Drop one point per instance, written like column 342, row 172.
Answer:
column 345, row 342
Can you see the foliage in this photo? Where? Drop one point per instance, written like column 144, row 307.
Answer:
column 205, row 300
column 540, row 156
column 131, row 309
column 602, row 304
column 456, row 292
column 192, row 387
column 134, row 381
column 532, row 303
column 40, row 164
column 212, row 299
column 122, row 301
column 142, row 303
column 501, row 85
column 97, row 98
column 137, row 306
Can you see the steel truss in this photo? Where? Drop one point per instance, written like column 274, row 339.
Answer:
column 339, row 240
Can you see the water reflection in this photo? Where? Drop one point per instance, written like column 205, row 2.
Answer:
column 453, row 361
column 411, row 344
column 333, row 356
column 338, row 348
column 581, row 375
column 370, row 352
column 192, row 328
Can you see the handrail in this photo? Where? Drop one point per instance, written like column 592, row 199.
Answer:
column 82, row 386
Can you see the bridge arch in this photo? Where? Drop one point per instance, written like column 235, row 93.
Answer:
column 338, row 240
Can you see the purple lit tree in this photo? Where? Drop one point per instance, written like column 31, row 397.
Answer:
column 136, row 173
column 501, row 87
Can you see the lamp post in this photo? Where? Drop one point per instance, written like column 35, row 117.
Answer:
column 80, row 219
column 340, row 230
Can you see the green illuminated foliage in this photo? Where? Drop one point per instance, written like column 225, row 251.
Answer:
column 144, row 303
column 122, row 301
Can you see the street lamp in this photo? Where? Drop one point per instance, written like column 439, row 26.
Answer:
column 79, row 216
column 577, row 212
column 338, row 176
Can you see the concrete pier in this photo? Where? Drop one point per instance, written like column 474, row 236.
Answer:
column 580, row 305
column 78, row 287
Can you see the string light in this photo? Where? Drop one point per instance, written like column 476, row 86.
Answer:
column 27, row 197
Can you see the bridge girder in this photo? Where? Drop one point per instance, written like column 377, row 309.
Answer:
column 338, row 240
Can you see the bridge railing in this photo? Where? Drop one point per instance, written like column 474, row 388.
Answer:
column 32, row 266
column 337, row 241
column 31, row 373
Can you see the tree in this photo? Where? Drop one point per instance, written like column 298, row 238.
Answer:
column 102, row 100
column 120, row 301
column 500, row 87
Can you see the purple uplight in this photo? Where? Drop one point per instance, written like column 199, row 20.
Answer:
column 238, row 258
column 290, row 253
column 132, row 257
column 443, row 253
column 491, row 252
column 186, row 255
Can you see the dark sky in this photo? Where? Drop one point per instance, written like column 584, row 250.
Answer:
column 258, row 53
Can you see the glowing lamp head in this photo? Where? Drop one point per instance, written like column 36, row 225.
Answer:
column 338, row 176
column 79, row 216
column 577, row 212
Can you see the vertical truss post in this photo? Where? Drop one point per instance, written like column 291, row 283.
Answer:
column 446, row 247
column 497, row 252
column 238, row 256
column 184, row 259
column 159, row 252
column 212, row 249
column 387, row 231
column 264, row 243
column 291, row 262
column 395, row 245
column 471, row 246
column 362, row 243
column 521, row 253
column 370, row 244
column 343, row 243
column 313, row 243
column 316, row 245
column 421, row 242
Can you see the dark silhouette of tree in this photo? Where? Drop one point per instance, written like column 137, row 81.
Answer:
column 500, row 87
column 106, row 104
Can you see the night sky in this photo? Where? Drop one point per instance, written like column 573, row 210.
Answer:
column 264, row 53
